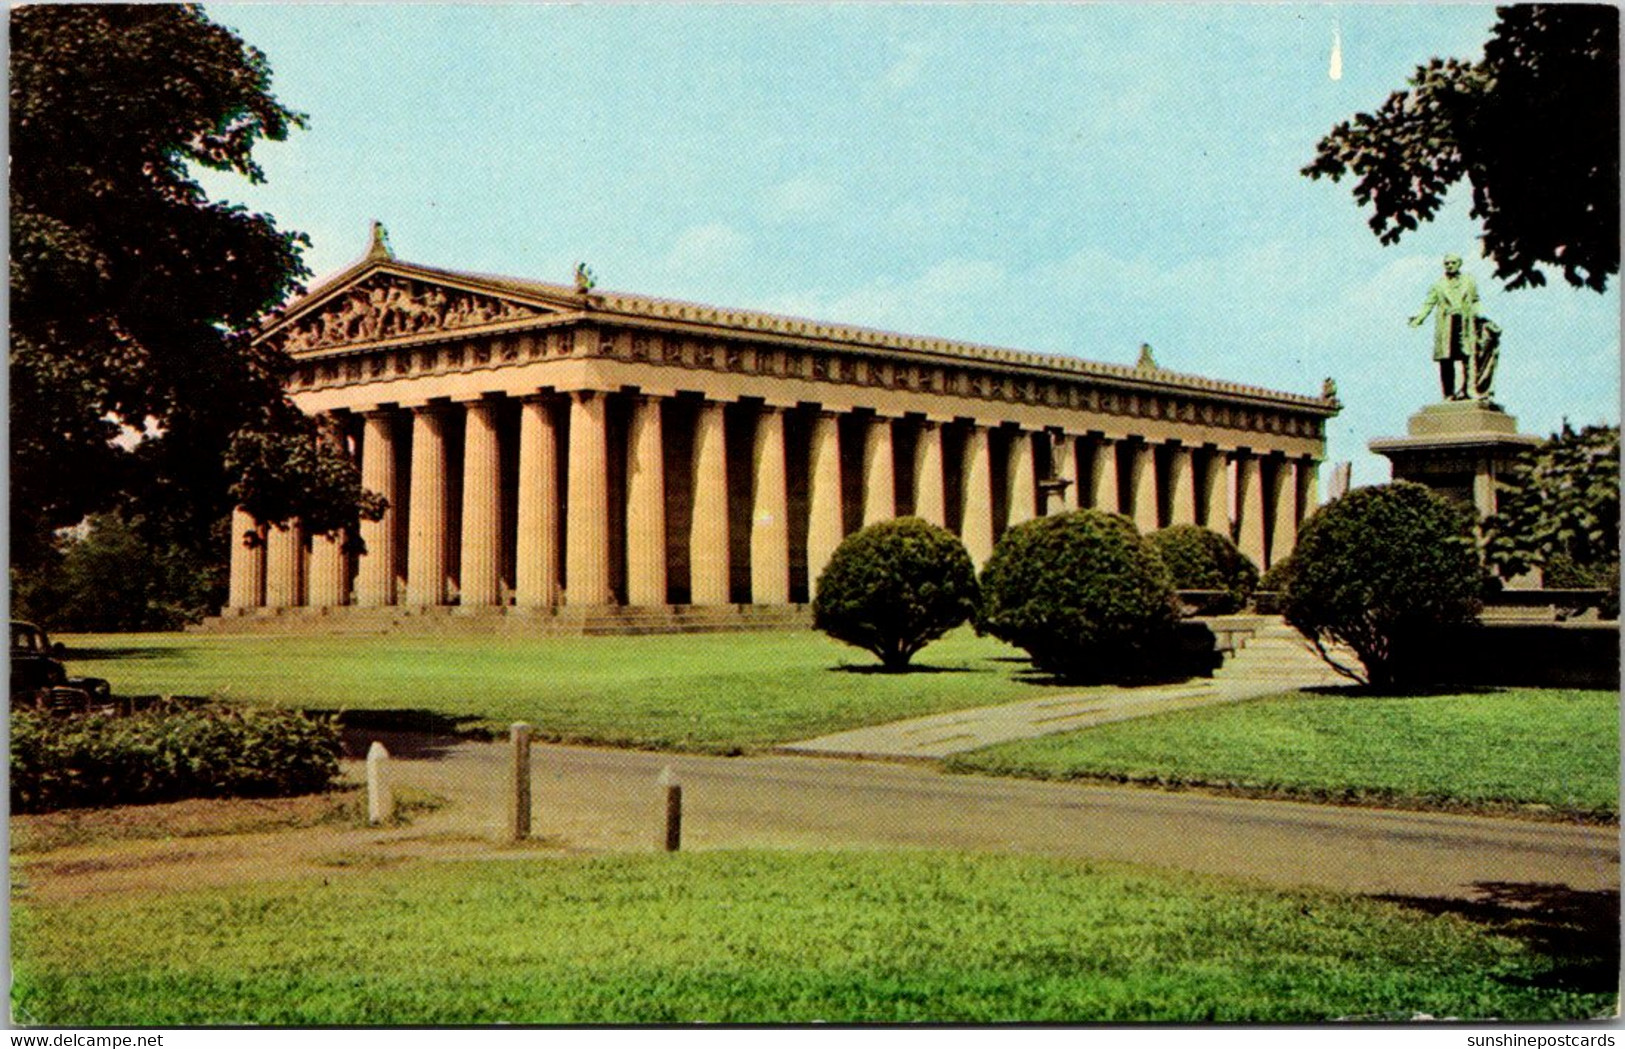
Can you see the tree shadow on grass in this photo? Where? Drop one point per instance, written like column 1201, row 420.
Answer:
column 72, row 652
column 1355, row 690
column 406, row 733
column 1576, row 929
column 912, row 668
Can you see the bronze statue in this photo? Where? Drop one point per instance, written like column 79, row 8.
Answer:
column 1465, row 344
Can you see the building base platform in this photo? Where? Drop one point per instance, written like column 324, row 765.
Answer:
column 510, row 621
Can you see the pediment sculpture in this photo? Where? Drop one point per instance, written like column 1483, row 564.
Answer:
column 392, row 307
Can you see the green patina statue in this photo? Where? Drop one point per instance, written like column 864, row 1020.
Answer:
column 1465, row 344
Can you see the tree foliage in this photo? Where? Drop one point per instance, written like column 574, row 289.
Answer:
column 1558, row 510
column 1084, row 594
column 1533, row 126
column 1199, row 559
column 131, row 291
column 109, row 575
column 894, row 587
column 1379, row 567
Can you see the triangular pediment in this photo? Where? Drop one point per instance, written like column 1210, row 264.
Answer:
column 388, row 303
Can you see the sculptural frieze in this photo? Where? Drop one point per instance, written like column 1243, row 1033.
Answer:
column 395, row 307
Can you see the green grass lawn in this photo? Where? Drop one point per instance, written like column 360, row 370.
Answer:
column 1504, row 749
column 786, row 938
column 699, row 692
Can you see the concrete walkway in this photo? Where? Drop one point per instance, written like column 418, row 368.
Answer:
column 1274, row 660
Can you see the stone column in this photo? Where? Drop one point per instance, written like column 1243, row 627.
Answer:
column 824, row 519
column 769, row 518
column 1284, row 511
column 879, row 478
column 536, row 564
column 1308, row 488
column 426, row 523
column 375, row 574
column 1064, row 467
column 1143, row 485
column 247, row 564
column 1103, row 477
column 976, row 519
column 1020, row 482
column 646, row 506
column 1250, row 507
column 586, row 550
column 1181, row 487
column 930, row 501
column 328, row 585
column 708, row 552
column 481, row 582
column 284, row 568
column 1216, row 492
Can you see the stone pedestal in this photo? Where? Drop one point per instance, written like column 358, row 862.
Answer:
column 1458, row 449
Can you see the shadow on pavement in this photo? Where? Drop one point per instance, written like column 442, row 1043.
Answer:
column 408, row 734
column 1577, row 929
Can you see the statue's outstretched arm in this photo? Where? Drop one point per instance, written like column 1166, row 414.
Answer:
column 1427, row 307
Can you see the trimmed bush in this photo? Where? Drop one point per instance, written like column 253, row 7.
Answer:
column 1084, row 594
column 1379, row 567
column 168, row 754
column 1199, row 559
column 894, row 587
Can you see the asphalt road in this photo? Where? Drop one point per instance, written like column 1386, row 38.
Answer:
column 588, row 798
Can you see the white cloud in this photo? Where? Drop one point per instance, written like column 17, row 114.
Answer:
column 706, row 249
column 906, row 70
column 800, row 199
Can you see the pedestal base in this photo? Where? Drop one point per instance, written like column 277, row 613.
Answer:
column 1459, row 449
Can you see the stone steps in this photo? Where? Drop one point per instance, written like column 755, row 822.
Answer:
column 1278, row 652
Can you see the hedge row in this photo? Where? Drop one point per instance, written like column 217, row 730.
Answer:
column 166, row 755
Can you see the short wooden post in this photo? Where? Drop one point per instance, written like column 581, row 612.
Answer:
column 519, row 796
column 380, row 795
column 674, row 809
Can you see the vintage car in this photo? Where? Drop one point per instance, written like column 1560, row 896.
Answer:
column 39, row 681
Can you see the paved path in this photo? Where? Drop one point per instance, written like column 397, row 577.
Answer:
column 1275, row 660
column 594, row 800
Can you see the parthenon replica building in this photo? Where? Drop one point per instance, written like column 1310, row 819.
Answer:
column 553, row 451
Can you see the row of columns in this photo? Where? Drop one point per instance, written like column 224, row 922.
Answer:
column 1263, row 498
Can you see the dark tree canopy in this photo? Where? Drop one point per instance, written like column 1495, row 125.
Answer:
column 1533, row 126
column 1558, row 509
column 130, row 289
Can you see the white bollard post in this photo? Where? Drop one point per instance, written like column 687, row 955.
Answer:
column 380, row 795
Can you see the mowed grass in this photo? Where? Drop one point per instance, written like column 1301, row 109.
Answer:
column 1511, row 748
column 737, row 937
column 715, row 692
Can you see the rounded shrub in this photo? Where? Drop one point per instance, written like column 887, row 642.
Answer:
column 1084, row 594
column 1377, row 570
column 894, row 587
column 1199, row 559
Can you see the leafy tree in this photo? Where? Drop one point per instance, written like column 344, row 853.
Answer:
column 109, row 576
column 131, row 291
column 894, row 587
column 1558, row 510
column 1084, row 594
column 1533, row 126
column 1379, row 567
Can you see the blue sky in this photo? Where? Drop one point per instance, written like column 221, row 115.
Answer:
column 1075, row 179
